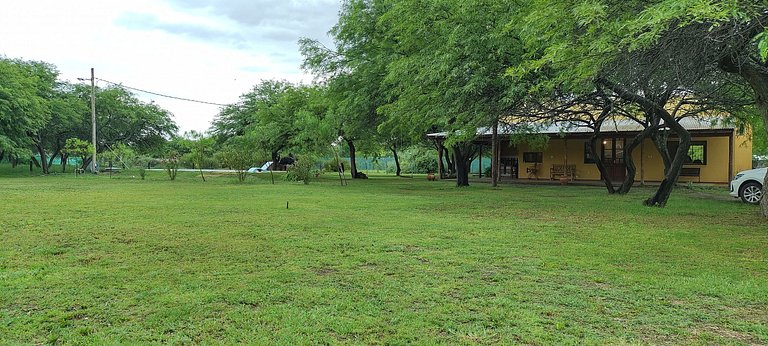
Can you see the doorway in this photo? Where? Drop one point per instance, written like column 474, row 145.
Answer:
column 613, row 158
column 508, row 167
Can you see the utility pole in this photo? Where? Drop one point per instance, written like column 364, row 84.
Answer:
column 93, row 120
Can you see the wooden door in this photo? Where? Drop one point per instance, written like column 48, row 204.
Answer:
column 613, row 158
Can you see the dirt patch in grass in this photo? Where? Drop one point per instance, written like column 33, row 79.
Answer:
column 325, row 271
column 725, row 333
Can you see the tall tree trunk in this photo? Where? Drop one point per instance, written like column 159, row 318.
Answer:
column 53, row 156
column 655, row 107
column 599, row 160
column 440, row 153
column 494, row 154
column 86, row 162
column 275, row 159
column 64, row 158
column 756, row 76
column 662, row 194
column 352, row 163
column 462, row 159
column 2, row 155
column 43, row 158
column 629, row 161
column 659, row 140
column 393, row 148
column 763, row 108
column 462, row 168
column 449, row 162
column 200, row 167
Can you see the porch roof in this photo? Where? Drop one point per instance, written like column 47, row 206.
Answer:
column 609, row 126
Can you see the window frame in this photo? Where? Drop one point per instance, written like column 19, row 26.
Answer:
column 538, row 156
column 587, row 159
column 703, row 144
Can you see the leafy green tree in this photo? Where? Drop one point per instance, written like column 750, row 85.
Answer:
column 590, row 48
column 77, row 147
column 239, row 154
column 408, row 68
column 67, row 113
column 353, row 74
column 731, row 36
column 122, row 118
column 450, row 73
column 118, row 155
column 202, row 148
column 24, row 108
column 272, row 115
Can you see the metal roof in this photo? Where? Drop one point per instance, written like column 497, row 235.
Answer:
column 610, row 125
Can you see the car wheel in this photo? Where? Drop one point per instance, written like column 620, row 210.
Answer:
column 751, row 192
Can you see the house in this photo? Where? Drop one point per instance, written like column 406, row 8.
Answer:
column 718, row 151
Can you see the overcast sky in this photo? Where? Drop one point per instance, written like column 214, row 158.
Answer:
column 199, row 49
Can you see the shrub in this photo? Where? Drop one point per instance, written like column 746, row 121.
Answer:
column 302, row 170
column 419, row 160
column 237, row 158
column 171, row 166
column 330, row 165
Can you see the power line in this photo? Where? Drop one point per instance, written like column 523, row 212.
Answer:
column 163, row 95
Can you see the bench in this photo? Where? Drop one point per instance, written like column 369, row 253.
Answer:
column 558, row 170
column 533, row 171
column 691, row 172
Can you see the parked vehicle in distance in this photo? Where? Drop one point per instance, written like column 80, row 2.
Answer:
column 748, row 185
column 264, row 167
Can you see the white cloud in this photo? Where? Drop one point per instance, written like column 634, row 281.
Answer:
column 207, row 50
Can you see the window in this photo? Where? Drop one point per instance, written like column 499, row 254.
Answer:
column 697, row 152
column 533, row 157
column 587, row 157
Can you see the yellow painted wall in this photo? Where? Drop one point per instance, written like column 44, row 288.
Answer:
column 742, row 147
column 555, row 154
column 647, row 159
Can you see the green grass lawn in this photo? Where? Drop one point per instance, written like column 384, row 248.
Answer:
column 94, row 260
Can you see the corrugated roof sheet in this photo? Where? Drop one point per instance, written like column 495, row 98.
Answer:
column 611, row 125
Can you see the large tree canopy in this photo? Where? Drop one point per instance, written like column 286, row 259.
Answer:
column 273, row 116
column 38, row 113
column 614, row 50
column 25, row 89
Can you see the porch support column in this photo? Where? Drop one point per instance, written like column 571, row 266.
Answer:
column 480, row 162
column 731, row 153
column 642, row 163
column 440, row 153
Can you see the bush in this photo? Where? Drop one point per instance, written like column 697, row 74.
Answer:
column 331, row 166
column 391, row 167
column 302, row 170
column 191, row 160
column 238, row 159
column 171, row 166
column 419, row 160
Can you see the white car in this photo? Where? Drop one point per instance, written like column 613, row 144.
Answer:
column 264, row 167
column 748, row 185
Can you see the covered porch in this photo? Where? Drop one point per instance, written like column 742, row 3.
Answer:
column 715, row 155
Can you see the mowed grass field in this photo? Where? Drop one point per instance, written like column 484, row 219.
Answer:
column 94, row 260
